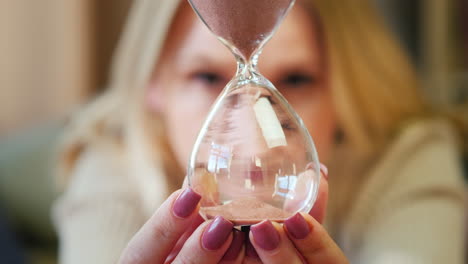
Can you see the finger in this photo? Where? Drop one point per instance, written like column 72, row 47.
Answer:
column 320, row 205
column 155, row 240
column 272, row 244
column 250, row 260
column 312, row 240
column 175, row 251
column 235, row 253
column 208, row 243
column 251, row 256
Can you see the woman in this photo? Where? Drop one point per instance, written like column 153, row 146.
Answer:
column 396, row 187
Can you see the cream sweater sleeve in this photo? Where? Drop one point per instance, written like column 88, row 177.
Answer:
column 99, row 212
column 416, row 214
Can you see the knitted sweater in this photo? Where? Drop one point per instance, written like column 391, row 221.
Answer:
column 408, row 209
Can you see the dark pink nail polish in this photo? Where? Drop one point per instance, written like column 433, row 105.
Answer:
column 236, row 245
column 216, row 233
column 265, row 234
column 186, row 203
column 297, row 226
column 324, row 170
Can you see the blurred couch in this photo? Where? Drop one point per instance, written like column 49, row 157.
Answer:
column 27, row 190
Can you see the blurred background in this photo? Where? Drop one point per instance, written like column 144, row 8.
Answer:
column 55, row 54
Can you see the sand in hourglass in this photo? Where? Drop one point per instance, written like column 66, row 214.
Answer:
column 247, row 211
column 243, row 23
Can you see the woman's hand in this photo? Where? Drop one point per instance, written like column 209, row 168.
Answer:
column 177, row 234
column 301, row 239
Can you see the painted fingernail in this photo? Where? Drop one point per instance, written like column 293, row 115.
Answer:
column 216, row 233
column 297, row 226
column 324, row 170
column 186, row 203
column 236, row 245
column 265, row 235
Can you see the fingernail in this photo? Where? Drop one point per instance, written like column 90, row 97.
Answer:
column 186, row 203
column 216, row 233
column 265, row 235
column 297, row 226
column 236, row 245
column 324, row 170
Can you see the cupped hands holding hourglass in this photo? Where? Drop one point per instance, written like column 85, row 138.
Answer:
column 177, row 234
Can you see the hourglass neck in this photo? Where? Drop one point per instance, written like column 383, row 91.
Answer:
column 247, row 68
column 248, row 74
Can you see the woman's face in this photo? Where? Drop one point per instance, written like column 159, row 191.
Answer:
column 195, row 67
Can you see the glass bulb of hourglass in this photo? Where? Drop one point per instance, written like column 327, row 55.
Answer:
column 253, row 158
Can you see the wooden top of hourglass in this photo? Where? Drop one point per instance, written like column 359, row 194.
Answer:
column 244, row 24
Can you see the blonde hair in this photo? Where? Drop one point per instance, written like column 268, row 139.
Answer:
column 375, row 89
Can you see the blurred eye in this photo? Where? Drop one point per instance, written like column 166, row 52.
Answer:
column 287, row 125
column 297, row 80
column 209, row 78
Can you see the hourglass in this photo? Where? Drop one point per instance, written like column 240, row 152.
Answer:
column 253, row 158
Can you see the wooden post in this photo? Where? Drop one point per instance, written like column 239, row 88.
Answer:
column 45, row 65
column 435, row 46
